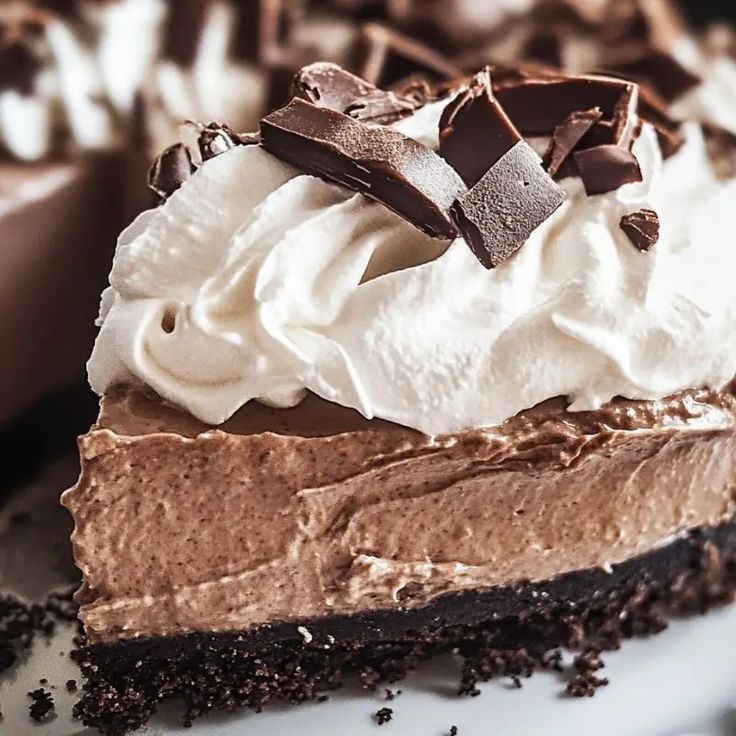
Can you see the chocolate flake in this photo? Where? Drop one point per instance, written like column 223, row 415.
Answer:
column 567, row 135
column 378, row 161
column 606, row 168
column 475, row 132
column 329, row 85
column 502, row 210
column 641, row 228
column 170, row 170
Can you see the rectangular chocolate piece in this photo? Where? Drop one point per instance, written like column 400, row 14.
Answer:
column 502, row 210
column 475, row 132
column 378, row 161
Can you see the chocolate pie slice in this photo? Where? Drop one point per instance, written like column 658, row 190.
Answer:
column 456, row 378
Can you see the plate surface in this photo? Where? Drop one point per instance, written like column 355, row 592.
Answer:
column 679, row 683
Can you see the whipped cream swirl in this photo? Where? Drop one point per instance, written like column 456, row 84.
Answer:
column 255, row 281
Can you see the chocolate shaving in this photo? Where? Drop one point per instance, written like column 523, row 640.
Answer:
column 502, row 210
column 567, row 135
column 661, row 70
column 329, row 85
column 606, row 168
column 170, row 170
column 475, row 132
column 378, row 161
column 385, row 57
column 641, row 228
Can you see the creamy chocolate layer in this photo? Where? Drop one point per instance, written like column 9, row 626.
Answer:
column 284, row 514
column 58, row 226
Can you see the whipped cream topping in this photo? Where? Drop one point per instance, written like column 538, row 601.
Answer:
column 254, row 281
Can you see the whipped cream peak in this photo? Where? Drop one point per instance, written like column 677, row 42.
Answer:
column 256, row 281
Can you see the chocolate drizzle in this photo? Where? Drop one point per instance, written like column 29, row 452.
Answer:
column 378, row 161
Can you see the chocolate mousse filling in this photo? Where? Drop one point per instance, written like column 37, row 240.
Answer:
column 224, row 557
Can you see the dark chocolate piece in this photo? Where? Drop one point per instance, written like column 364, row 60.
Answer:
column 329, row 85
column 567, row 135
column 19, row 36
column 641, row 228
column 170, row 170
column 502, row 210
column 606, row 168
column 385, row 57
column 378, row 161
column 666, row 75
column 475, row 132
column 721, row 147
column 652, row 109
column 217, row 138
column 538, row 106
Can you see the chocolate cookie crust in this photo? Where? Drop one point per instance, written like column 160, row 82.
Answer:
column 509, row 631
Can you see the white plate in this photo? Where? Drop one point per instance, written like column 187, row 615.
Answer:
column 679, row 683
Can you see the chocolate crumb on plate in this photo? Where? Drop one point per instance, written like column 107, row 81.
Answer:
column 71, row 686
column 453, row 731
column 383, row 715
column 641, row 228
column 42, row 705
column 378, row 161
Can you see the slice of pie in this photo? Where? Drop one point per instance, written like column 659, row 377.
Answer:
column 409, row 375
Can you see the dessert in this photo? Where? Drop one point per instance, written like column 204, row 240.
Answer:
column 405, row 374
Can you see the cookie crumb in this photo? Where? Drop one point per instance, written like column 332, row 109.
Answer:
column 42, row 707
column 383, row 715
column 453, row 730
column 71, row 686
